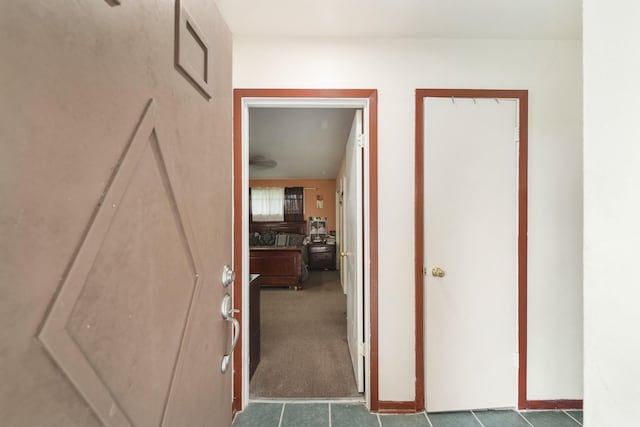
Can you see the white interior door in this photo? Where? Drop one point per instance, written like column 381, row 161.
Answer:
column 353, row 248
column 470, row 219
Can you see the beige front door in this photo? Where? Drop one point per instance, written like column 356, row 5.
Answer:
column 115, row 213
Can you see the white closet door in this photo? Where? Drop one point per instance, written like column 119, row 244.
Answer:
column 470, row 219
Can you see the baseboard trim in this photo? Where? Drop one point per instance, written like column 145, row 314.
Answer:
column 397, row 407
column 553, row 404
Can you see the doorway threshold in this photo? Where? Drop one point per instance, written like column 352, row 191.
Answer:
column 351, row 399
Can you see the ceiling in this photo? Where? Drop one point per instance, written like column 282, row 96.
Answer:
column 308, row 143
column 495, row 19
column 305, row 142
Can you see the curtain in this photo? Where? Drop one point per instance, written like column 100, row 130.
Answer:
column 267, row 204
column 294, row 204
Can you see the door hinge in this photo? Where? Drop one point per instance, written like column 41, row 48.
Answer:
column 361, row 350
column 516, row 137
column 360, row 140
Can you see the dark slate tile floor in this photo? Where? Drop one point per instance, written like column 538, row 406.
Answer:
column 338, row 414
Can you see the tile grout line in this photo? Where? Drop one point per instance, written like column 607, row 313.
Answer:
column 427, row 417
column 329, row 414
column 281, row 415
column 570, row 416
column 524, row 418
column 476, row 417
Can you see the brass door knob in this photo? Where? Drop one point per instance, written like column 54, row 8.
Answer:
column 437, row 272
column 343, row 254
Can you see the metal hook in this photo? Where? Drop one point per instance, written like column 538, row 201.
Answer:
column 453, row 101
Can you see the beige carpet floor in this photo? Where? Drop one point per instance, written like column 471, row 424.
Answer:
column 304, row 350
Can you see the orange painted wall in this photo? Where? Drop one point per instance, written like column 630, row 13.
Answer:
column 325, row 188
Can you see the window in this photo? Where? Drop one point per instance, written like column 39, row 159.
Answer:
column 294, row 204
column 267, row 204
column 276, row 204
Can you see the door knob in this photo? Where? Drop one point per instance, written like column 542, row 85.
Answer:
column 343, row 254
column 437, row 272
column 227, row 311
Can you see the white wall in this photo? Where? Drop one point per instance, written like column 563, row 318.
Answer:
column 551, row 71
column 611, row 212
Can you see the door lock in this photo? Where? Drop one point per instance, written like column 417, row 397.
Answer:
column 228, row 276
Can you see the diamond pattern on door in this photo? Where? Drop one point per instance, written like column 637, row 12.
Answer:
column 120, row 319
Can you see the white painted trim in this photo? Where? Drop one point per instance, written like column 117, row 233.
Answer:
column 245, row 333
column 366, row 233
column 258, row 102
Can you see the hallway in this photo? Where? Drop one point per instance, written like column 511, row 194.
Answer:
column 303, row 341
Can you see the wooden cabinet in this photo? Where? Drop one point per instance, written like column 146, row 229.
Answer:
column 254, row 323
column 322, row 256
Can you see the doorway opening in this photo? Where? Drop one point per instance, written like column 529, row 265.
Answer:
column 322, row 278
column 298, row 342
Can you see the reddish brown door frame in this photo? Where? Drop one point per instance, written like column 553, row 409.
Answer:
column 522, row 96
column 372, row 96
